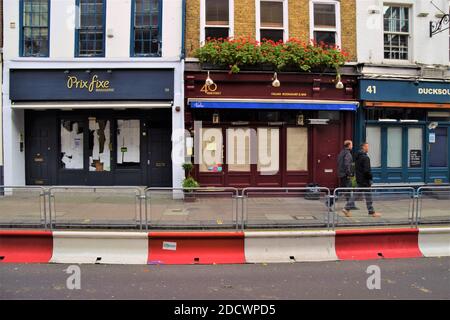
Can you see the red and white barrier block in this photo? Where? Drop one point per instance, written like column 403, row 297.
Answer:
column 220, row 247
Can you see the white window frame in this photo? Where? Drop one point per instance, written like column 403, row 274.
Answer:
column 337, row 12
column 409, row 34
column 203, row 20
column 285, row 19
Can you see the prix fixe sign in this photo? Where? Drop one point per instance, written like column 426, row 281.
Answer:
column 404, row 91
column 95, row 84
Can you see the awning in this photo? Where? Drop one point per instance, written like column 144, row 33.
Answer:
column 276, row 104
column 92, row 105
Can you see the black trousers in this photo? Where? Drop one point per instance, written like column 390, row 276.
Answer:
column 345, row 182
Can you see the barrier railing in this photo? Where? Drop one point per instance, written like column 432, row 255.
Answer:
column 191, row 207
column 23, row 206
column 285, row 207
column 219, row 208
column 395, row 204
column 433, row 205
column 74, row 207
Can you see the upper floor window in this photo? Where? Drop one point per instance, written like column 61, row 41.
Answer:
column 146, row 24
column 217, row 19
column 325, row 22
column 272, row 20
column 396, row 32
column 90, row 30
column 34, row 32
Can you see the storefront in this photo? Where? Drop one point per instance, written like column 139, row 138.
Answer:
column 407, row 124
column 250, row 130
column 95, row 127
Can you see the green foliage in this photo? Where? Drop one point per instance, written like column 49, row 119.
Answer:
column 235, row 53
column 190, row 183
column 187, row 166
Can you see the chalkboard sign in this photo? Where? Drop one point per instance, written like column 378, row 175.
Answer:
column 415, row 158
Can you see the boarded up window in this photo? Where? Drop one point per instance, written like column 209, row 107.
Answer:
column 297, row 149
column 238, row 149
column 268, row 150
column 211, row 158
column 128, row 143
column 72, row 144
column 99, row 145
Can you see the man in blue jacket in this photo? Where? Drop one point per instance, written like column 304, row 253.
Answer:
column 364, row 176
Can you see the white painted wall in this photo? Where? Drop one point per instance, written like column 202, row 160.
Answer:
column 62, row 50
column 118, row 23
column 424, row 50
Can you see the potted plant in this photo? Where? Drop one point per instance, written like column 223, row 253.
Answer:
column 189, row 183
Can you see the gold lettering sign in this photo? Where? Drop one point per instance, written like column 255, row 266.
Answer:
column 95, row 84
column 210, row 89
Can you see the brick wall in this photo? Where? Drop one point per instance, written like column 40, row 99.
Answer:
column 244, row 22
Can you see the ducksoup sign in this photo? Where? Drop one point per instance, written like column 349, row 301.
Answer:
column 405, row 91
column 99, row 84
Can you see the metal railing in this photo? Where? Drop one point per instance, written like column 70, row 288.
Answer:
column 433, row 205
column 23, row 206
column 73, row 207
column 396, row 205
column 191, row 208
column 285, row 207
column 218, row 208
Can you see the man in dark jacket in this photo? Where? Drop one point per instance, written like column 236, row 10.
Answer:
column 364, row 176
column 345, row 173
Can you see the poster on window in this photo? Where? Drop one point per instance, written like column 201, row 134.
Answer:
column 415, row 158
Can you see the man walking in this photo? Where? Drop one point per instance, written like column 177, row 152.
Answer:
column 364, row 176
column 345, row 173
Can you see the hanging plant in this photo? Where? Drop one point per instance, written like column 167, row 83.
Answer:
column 292, row 54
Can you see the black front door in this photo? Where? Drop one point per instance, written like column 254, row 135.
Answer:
column 40, row 166
column 159, row 173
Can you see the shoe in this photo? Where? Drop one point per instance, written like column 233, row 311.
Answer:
column 375, row 215
column 346, row 212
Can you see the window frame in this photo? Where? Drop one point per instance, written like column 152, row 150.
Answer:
column 203, row 25
column 77, row 31
column 132, row 29
column 285, row 27
column 337, row 12
column 21, row 34
column 408, row 34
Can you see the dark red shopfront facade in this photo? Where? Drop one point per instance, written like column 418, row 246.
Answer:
column 301, row 124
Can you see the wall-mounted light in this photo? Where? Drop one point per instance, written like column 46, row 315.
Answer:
column 339, row 84
column 433, row 125
column 275, row 82
column 209, row 81
column 215, row 118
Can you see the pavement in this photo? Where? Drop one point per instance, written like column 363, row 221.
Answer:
column 425, row 278
column 121, row 207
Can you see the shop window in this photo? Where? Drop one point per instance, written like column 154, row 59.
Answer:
column 272, row 21
column 72, row 144
column 373, row 138
column 34, row 30
column 325, row 22
column 415, row 147
column 394, row 147
column 238, row 149
column 99, row 145
column 211, row 157
column 146, row 39
column 217, row 19
column 128, row 143
column 268, row 150
column 90, row 29
column 297, row 149
column 396, row 32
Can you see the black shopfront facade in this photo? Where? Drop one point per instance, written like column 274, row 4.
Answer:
column 96, row 127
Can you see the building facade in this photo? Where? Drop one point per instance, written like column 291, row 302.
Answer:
column 92, row 92
column 405, row 89
column 1, row 87
column 266, row 129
